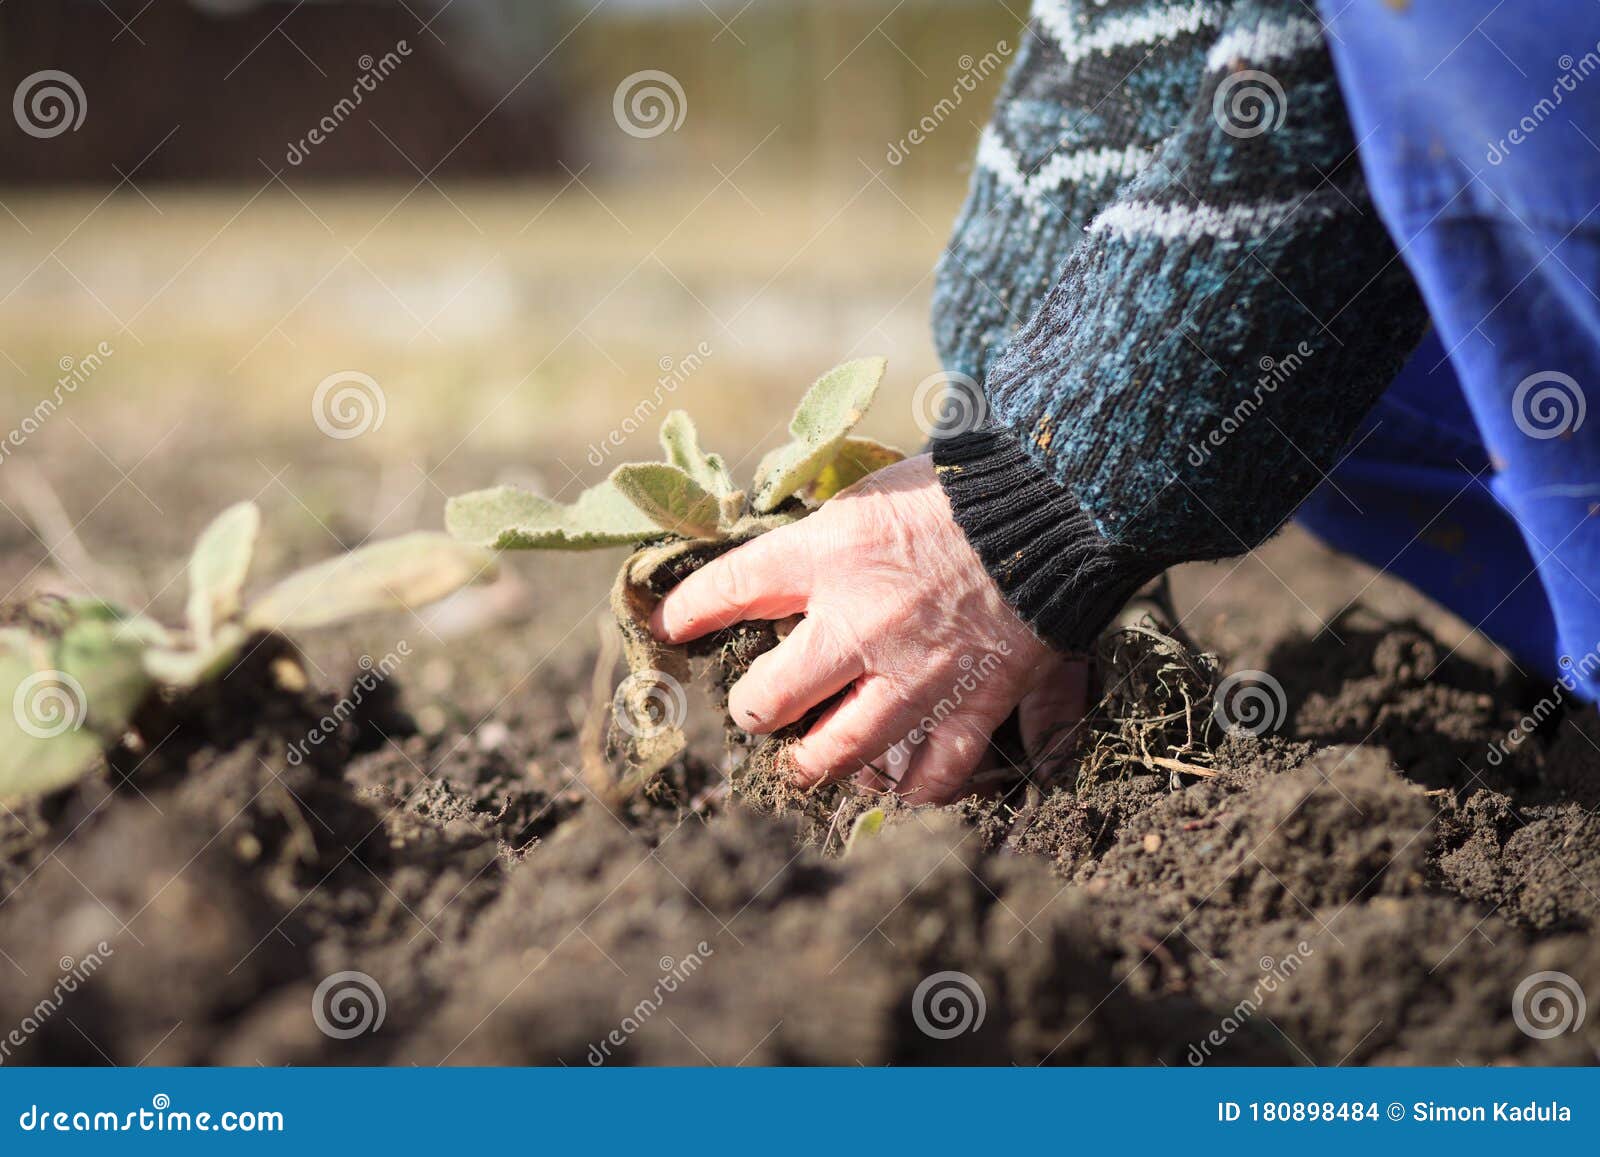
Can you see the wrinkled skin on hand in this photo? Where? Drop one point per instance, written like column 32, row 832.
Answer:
column 902, row 617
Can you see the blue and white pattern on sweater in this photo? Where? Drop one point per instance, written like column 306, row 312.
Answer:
column 1168, row 200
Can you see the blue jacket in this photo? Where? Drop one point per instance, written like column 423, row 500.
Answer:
column 1479, row 131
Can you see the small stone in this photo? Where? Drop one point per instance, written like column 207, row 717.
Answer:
column 289, row 675
column 492, row 736
column 1152, row 842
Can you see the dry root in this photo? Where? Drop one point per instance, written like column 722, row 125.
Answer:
column 647, row 712
column 1154, row 713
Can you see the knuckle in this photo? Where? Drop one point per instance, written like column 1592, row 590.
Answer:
column 789, row 550
column 729, row 583
column 831, row 642
column 964, row 739
column 844, row 744
column 831, row 530
column 901, row 684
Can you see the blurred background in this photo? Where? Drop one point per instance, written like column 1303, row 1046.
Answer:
column 351, row 256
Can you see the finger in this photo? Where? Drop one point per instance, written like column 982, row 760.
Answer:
column 897, row 760
column 860, row 727
column 766, row 578
column 942, row 767
column 1051, row 716
column 884, row 772
column 792, row 678
column 869, row 778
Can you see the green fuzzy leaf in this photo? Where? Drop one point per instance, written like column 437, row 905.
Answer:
column 129, row 625
column 45, row 742
column 681, row 442
column 867, row 825
column 857, row 458
column 670, row 497
column 30, row 766
column 106, row 663
column 821, row 423
column 218, row 567
column 90, row 655
column 505, row 518
column 185, row 669
column 400, row 573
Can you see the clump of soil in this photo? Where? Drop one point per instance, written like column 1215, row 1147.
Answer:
column 1362, row 887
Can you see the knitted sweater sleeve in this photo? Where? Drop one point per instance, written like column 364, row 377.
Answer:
column 1222, row 319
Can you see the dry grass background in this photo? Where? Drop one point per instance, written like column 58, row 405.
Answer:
column 508, row 327
column 508, row 324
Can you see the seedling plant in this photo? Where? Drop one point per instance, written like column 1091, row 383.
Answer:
column 76, row 673
column 677, row 515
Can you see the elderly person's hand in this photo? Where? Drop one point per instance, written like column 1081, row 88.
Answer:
column 899, row 610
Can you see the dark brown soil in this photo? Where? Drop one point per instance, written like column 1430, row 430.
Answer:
column 1364, row 886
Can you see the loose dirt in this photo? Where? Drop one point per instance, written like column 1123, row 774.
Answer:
column 1364, row 884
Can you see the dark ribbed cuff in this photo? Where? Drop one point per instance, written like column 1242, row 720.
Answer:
column 1053, row 566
